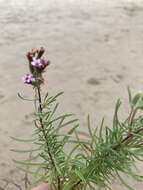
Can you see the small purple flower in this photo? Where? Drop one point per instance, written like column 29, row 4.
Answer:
column 27, row 79
column 39, row 63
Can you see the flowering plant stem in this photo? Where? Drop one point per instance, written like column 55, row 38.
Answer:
column 91, row 162
column 44, row 132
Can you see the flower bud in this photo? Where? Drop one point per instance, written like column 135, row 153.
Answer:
column 40, row 52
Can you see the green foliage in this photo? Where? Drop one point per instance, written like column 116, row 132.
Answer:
column 92, row 162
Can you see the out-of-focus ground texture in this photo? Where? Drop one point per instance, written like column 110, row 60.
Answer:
column 96, row 51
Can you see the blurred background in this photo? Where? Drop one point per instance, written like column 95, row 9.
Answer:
column 96, row 51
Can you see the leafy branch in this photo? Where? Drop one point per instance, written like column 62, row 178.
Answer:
column 74, row 160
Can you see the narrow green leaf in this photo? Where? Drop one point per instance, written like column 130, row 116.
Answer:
column 26, row 151
column 66, row 137
column 80, row 175
column 22, row 98
column 29, row 163
column 24, row 140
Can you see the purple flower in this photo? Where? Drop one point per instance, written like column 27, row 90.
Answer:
column 27, row 79
column 39, row 63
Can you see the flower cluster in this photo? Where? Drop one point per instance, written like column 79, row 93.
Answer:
column 37, row 66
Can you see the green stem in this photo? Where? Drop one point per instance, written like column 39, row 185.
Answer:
column 44, row 133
